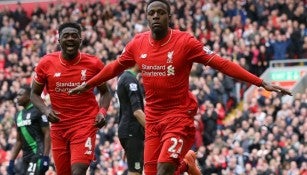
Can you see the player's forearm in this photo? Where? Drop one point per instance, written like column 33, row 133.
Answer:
column 109, row 71
column 105, row 99
column 39, row 103
column 15, row 150
column 47, row 142
column 140, row 116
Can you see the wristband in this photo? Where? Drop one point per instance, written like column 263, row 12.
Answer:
column 12, row 161
column 103, row 111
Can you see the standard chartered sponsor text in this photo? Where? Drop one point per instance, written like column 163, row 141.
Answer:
column 153, row 67
column 153, row 70
column 153, row 74
column 65, row 86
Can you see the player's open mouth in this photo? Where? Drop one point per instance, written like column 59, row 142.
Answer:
column 70, row 47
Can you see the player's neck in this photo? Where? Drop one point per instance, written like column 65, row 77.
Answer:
column 69, row 56
column 162, row 42
column 160, row 35
column 28, row 105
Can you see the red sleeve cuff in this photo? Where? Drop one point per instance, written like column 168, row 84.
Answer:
column 103, row 111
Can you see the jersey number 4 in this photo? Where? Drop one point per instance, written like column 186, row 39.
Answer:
column 88, row 145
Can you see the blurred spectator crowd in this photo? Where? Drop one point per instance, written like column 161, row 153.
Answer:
column 266, row 137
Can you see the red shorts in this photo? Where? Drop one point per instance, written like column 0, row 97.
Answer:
column 167, row 141
column 74, row 145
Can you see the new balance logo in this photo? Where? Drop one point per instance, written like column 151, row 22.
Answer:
column 174, row 155
column 144, row 55
column 208, row 51
column 88, row 152
column 57, row 74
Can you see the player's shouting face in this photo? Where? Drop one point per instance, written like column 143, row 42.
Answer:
column 70, row 40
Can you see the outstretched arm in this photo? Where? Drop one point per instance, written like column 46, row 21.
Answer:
column 271, row 87
column 236, row 71
column 109, row 71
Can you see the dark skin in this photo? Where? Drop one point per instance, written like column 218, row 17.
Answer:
column 158, row 19
column 70, row 41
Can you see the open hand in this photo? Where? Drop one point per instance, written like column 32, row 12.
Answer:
column 278, row 89
column 52, row 116
column 79, row 89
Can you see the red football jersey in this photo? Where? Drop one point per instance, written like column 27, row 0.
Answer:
column 59, row 76
column 165, row 66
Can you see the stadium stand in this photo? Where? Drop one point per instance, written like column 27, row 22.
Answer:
column 266, row 135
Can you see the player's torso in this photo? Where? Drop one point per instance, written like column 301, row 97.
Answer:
column 29, row 127
column 167, row 63
column 128, row 89
column 165, row 70
column 63, row 77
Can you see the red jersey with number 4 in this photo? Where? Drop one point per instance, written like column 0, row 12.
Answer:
column 59, row 76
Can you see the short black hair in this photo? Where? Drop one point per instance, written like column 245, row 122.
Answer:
column 27, row 89
column 163, row 1
column 70, row 24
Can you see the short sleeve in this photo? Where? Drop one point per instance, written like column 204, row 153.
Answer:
column 40, row 75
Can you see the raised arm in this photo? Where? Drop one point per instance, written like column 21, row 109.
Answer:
column 236, row 71
column 109, row 71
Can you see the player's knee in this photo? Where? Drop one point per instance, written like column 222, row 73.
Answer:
column 166, row 168
column 134, row 173
column 79, row 169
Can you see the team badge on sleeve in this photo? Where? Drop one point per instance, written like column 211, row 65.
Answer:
column 208, row 51
column 44, row 118
column 137, row 165
column 133, row 87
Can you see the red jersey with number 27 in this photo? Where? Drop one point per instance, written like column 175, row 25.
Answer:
column 59, row 76
column 165, row 66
